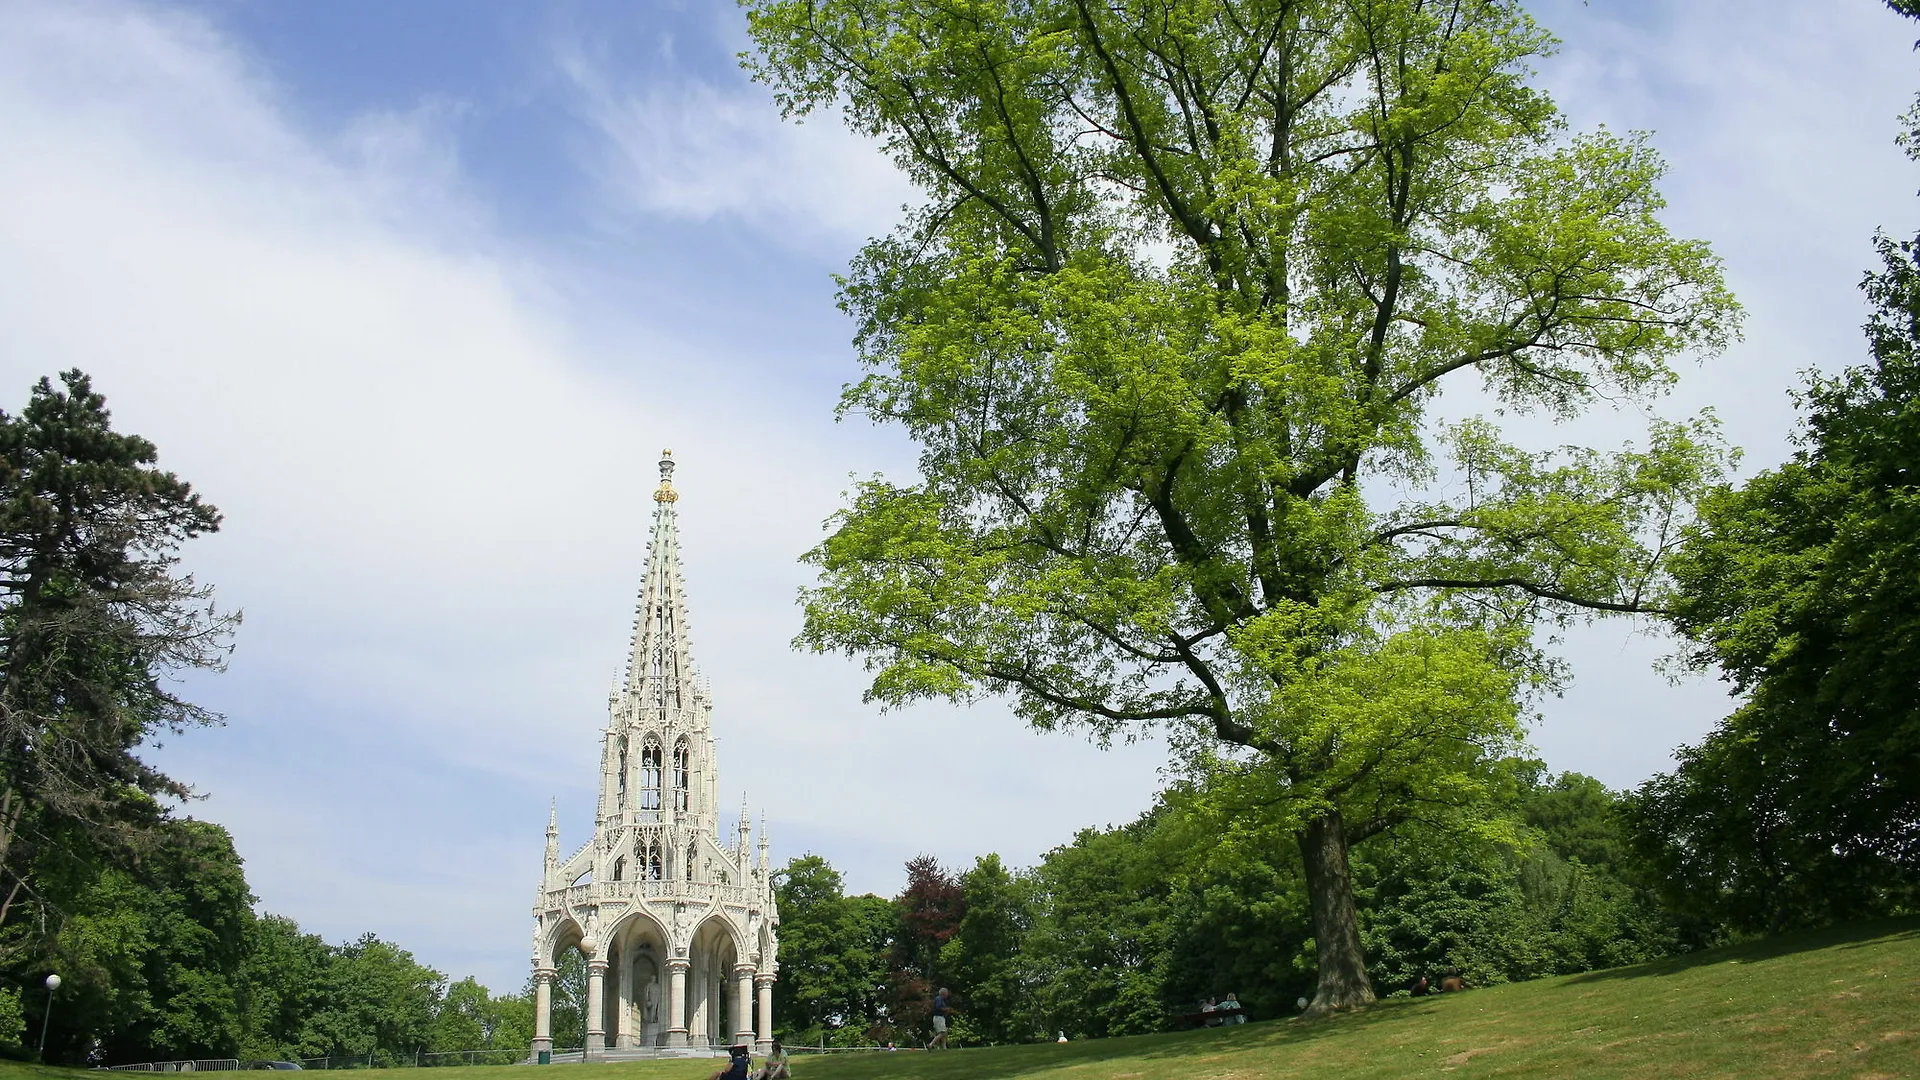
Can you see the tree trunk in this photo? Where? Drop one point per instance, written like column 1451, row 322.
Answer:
column 1336, row 926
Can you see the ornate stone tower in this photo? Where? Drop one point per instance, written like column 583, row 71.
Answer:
column 677, row 924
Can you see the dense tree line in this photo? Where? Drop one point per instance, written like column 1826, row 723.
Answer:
column 168, row 960
column 1194, row 492
column 1126, row 929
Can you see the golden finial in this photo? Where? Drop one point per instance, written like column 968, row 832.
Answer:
column 665, row 493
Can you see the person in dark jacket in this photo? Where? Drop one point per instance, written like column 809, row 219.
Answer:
column 738, row 1063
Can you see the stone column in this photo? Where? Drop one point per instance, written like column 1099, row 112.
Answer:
column 623, row 1009
column 596, row 1007
column 743, row 1004
column 764, row 983
column 699, row 998
column 542, row 1010
column 677, row 1001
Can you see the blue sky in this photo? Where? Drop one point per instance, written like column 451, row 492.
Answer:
column 416, row 292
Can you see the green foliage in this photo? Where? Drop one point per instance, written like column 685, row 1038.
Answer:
column 569, row 1005
column 1097, row 950
column 1803, row 587
column 469, row 1018
column 13, row 1018
column 1185, row 277
column 982, row 961
column 148, row 918
column 1813, row 1007
column 284, row 984
column 95, row 625
column 152, row 956
column 1499, row 915
column 378, row 1000
column 833, row 956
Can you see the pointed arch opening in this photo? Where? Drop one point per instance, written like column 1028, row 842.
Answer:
column 682, row 774
column 650, row 774
column 635, row 994
column 568, row 1016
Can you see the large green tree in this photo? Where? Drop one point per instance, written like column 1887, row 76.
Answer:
column 378, row 1004
column 982, row 960
column 284, row 983
column 1098, row 947
column 833, row 955
column 96, row 621
column 154, row 955
column 1803, row 587
column 1168, row 324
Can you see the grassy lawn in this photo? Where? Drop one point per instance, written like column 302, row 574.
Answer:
column 1840, row 1003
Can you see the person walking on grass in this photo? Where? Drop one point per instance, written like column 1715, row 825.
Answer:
column 942, row 1008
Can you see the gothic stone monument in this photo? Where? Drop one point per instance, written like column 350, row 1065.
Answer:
column 677, row 926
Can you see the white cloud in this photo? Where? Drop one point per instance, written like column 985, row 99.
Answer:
column 684, row 146
column 434, row 448
column 436, row 499
column 1777, row 121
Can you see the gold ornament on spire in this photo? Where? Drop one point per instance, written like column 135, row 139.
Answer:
column 665, row 493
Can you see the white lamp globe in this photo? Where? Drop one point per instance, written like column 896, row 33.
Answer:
column 53, row 982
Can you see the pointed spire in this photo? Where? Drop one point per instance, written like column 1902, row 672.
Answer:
column 553, row 833
column 660, row 669
column 764, row 842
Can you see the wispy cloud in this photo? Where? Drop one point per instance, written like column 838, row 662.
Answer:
column 436, row 492
column 434, row 460
column 675, row 143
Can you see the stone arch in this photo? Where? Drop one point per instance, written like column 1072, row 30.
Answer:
column 636, row 996
column 563, row 934
column 565, row 955
column 714, row 948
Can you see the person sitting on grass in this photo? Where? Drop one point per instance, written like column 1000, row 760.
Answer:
column 775, row 1067
column 738, row 1062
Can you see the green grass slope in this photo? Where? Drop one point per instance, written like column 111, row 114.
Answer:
column 1840, row 1003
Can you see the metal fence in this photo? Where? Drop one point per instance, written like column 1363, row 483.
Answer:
column 437, row 1059
column 376, row 1060
column 419, row 1059
column 193, row 1065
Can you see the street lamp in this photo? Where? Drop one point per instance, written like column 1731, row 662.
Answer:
column 53, row 983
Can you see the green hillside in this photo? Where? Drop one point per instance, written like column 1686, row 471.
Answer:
column 1841, row 1003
